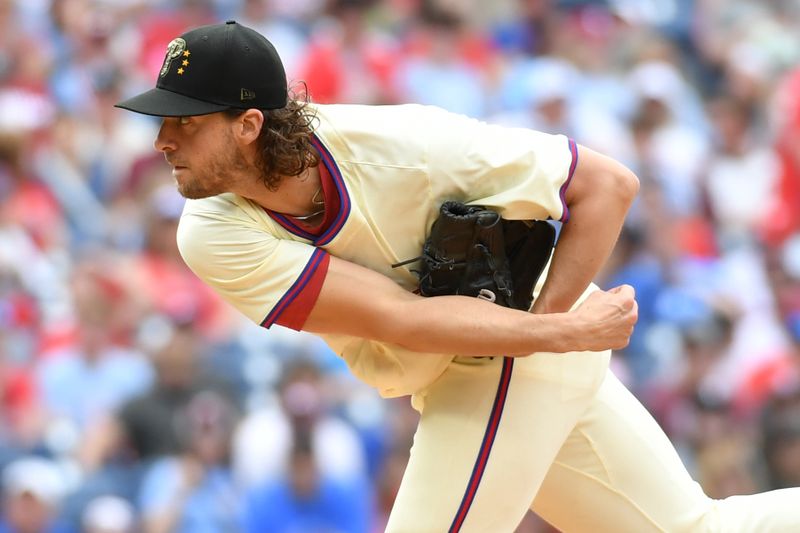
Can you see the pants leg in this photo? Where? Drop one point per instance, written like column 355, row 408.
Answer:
column 618, row 472
column 544, row 398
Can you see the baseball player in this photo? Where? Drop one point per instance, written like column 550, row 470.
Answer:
column 296, row 214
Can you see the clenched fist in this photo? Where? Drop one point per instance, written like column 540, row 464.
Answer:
column 606, row 319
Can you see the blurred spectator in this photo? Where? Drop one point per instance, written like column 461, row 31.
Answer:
column 86, row 381
column 25, row 62
column 781, row 373
column 740, row 174
column 726, row 456
column 286, row 34
column 108, row 514
column 671, row 150
column 27, row 202
column 59, row 166
column 681, row 398
column 784, row 215
column 143, row 428
column 388, row 483
column 746, row 36
column 153, row 27
column 781, row 429
column 306, row 499
column 193, row 491
column 531, row 30
column 539, row 93
column 604, row 50
column 346, row 60
column 83, row 30
column 32, row 492
column 436, row 64
column 400, row 437
column 20, row 416
column 117, row 450
column 264, row 440
column 104, row 144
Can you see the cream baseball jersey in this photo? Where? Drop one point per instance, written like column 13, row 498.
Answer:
column 391, row 167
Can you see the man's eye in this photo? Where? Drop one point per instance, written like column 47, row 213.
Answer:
column 183, row 120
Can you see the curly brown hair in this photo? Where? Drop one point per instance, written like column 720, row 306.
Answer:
column 284, row 143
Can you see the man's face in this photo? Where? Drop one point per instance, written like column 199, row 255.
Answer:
column 203, row 154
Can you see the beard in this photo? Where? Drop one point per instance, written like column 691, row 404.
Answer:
column 217, row 175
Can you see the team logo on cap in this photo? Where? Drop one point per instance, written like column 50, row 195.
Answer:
column 175, row 49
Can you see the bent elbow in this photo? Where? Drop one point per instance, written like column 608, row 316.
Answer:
column 613, row 187
column 599, row 178
column 626, row 184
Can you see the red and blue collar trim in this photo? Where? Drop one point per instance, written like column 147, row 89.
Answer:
column 344, row 202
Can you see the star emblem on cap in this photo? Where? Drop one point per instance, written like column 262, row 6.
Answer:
column 184, row 63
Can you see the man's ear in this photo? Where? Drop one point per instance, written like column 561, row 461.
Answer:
column 247, row 126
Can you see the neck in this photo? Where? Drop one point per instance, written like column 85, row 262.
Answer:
column 296, row 195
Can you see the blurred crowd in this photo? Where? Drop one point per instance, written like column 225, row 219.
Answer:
column 132, row 399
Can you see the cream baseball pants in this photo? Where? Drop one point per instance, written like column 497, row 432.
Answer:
column 559, row 434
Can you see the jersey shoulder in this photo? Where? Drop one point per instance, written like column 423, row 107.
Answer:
column 397, row 135
column 223, row 218
column 226, row 208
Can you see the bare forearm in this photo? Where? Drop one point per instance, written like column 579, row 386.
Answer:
column 383, row 311
column 469, row 326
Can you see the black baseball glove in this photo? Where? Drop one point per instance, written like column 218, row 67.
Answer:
column 473, row 252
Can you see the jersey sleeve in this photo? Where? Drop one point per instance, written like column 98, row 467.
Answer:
column 269, row 280
column 522, row 173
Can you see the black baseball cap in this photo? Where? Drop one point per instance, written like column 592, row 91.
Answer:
column 214, row 68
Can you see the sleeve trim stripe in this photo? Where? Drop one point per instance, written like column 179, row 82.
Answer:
column 573, row 148
column 296, row 288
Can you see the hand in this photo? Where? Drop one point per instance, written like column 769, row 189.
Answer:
column 606, row 319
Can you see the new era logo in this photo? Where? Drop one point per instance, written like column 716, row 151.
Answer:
column 247, row 94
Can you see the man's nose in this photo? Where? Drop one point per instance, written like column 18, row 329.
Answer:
column 165, row 140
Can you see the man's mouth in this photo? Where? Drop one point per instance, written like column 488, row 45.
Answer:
column 173, row 164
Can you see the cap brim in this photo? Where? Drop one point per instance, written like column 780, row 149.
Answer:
column 161, row 103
